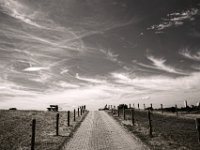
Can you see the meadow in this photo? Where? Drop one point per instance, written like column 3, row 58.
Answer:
column 169, row 131
column 15, row 129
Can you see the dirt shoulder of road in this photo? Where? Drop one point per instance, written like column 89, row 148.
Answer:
column 15, row 129
column 157, row 142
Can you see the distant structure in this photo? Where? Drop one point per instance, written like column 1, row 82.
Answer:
column 198, row 104
column 185, row 104
column 53, row 108
column 12, row 108
column 121, row 106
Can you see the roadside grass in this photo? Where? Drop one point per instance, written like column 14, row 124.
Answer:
column 169, row 132
column 15, row 129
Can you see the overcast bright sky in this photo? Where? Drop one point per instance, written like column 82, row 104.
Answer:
column 97, row 52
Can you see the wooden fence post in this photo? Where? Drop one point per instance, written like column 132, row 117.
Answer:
column 68, row 118
column 161, row 107
column 151, row 106
column 198, row 128
column 81, row 110
column 138, row 106
column 176, row 110
column 78, row 112
column 124, row 113
column 150, row 125
column 33, row 135
column 114, row 108
column 57, row 124
column 74, row 114
column 118, row 111
column 133, row 116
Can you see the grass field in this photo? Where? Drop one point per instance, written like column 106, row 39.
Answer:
column 169, row 132
column 15, row 129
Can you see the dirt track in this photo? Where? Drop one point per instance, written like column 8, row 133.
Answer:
column 101, row 132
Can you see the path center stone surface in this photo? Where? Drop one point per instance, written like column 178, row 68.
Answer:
column 99, row 131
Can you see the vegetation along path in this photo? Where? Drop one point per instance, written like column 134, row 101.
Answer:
column 101, row 132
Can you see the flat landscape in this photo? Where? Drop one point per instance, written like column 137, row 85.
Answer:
column 169, row 131
column 15, row 129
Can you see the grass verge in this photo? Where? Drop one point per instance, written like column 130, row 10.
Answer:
column 172, row 133
column 15, row 129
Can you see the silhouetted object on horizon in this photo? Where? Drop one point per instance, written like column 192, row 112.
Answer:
column 149, row 108
column 12, row 108
column 191, row 108
column 185, row 104
column 53, row 108
column 106, row 107
column 121, row 106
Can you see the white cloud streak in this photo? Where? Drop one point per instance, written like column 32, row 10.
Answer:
column 35, row 68
column 16, row 10
column 175, row 19
column 160, row 83
column 97, row 81
column 160, row 64
column 187, row 54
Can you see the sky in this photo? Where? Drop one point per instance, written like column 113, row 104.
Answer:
column 98, row 52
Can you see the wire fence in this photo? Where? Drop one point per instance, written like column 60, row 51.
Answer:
column 50, row 132
column 182, row 130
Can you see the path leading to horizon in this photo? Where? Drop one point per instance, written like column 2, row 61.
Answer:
column 99, row 131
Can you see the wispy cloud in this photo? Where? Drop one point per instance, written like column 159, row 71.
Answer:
column 17, row 9
column 67, row 85
column 11, row 89
column 111, row 56
column 187, row 54
column 36, row 68
column 176, row 19
column 90, row 79
column 64, row 71
column 160, row 64
column 160, row 83
column 121, row 76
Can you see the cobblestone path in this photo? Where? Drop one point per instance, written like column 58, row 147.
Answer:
column 99, row 131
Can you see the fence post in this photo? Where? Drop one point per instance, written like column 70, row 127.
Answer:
column 118, row 111
column 150, row 125
column 138, row 106
column 78, row 112
column 57, row 124
column 151, row 106
column 198, row 128
column 124, row 113
column 132, row 116
column 68, row 118
column 81, row 110
column 161, row 107
column 176, row 110
column 33, row 135
column 74, row 114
